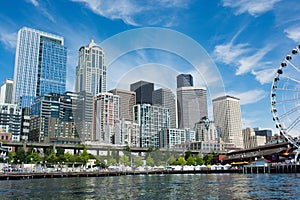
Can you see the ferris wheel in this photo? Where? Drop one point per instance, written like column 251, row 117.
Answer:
column 285, row 97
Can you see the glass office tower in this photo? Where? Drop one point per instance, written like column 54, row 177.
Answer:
column 40, row 65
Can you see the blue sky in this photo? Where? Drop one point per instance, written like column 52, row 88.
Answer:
column 246, row 39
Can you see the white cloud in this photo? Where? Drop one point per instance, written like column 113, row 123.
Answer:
column 135, row 12
column 8, row 39
column 249, row 97
column 42, row 9
column 264, row 76
column 33, row 2
column 241, row 56
column 293, row 33
column 253, row 7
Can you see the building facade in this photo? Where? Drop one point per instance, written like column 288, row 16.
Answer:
column 52, row 119
column 227, row 116
column 106, row 114
column 164, row 97
column 185, row 80
column 6, row 92
column 251, row 139
column 91, row 71
column 172, row 138
column 40, row 65
column 10, row 120
column 127, row 133
column 127, row 101
column 191, row 106
column 206, row 130
column 151, row 119
column 143, row 90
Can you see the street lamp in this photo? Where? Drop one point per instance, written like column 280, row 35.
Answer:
column 31, row 163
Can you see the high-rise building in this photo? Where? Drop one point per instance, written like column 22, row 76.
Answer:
column 91, row 71
column 10, row 120
column 185, row 80
column 25, row 127
column 127, row 133
column 127, row 101
column 227, row 116
column 143, row 92
column 52, row 119
column 206, row 130
column 173, row 138
column 83, row 115
column 191, row 106
column 164, row 97
column 40, row 65
column 106, row 115
column 265, row 132
column 151, row 119
column 6, row 92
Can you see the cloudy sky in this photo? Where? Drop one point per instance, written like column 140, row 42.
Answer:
column 246, row 40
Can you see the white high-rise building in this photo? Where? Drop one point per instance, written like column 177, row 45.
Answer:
column 106, row 114
column 206, row 130
column 227, row 116
column 191, row 106
column 151, row 119
column 6, row 92
column 91, row 71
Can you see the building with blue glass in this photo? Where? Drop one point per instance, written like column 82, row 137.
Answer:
column 40, row 65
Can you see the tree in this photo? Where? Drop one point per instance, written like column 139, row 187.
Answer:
column 69, row 157
column 20, row 155
column 208, row 158
column 111, row 161
column 60, row 151
column 190, row 160
column 199, row 160
column 84, row 156
column 171, row 160
column 124, row 160
column 187, row 155
column 181, row 160
column 150, row 161
column 34, row 157
column 138, row 162
column 51, row 158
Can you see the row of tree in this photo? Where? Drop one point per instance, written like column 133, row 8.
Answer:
column 152, row 158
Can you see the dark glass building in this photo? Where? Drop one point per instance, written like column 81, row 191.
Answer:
column 185, row 80
column 143, row 92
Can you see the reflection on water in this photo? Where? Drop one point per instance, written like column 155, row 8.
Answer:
column 183, row 186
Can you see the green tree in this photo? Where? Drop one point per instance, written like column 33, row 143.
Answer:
column 149, row 161
column 199, row 160
column 208, row 158
column 51, row 158
column 181, row 160
column 84, row 156
column 187, row 154
column 138, row 162
column 124, row 160
column 20, row 156
column 11, row 156
column 171, row 160
column 69, row 157
column 60, row 151
column 111, row 161
column 190, row 160
column 34, row 157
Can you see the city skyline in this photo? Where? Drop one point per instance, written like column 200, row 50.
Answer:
column 241, row 44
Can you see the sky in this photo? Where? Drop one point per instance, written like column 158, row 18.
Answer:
column 241, row 42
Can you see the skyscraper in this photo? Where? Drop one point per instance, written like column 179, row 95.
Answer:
column 185, row 80
column 127, row 101
column 164, row 97
column 106, row 114
column 40, row 65
column 6, row 91
column 227, row 116
column 143, row 92
column 91, row 71
column 191, row 106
